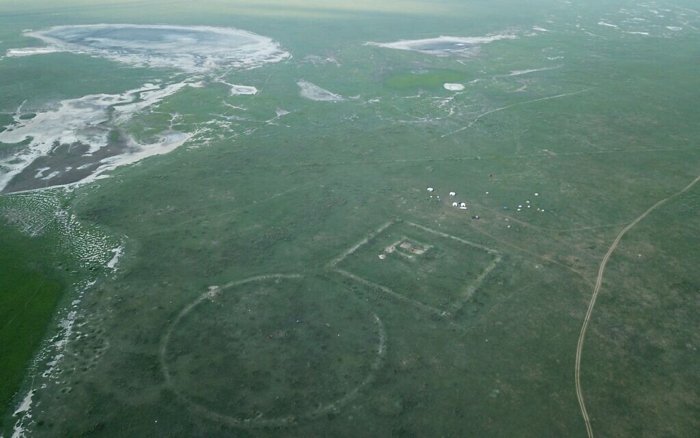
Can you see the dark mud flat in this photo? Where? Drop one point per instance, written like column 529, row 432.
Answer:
column 70, row 160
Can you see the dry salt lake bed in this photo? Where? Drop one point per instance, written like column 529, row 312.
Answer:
column 446, row 218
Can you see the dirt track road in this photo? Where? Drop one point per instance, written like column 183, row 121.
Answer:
column 596, row 290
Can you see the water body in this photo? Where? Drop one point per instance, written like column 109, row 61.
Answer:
column 82, row 139
column 444, row 45
column 194, row 49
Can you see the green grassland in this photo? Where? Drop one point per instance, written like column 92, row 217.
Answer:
column 591, row 143
column 30, row 289
column 426, row 80
column 47, row 259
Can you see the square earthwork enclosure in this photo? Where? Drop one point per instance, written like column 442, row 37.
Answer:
column 429, row 269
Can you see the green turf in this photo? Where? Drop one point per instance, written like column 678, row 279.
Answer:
column 29, row 293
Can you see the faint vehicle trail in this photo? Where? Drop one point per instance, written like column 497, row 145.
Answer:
column 481, row 116
column 596, row 290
